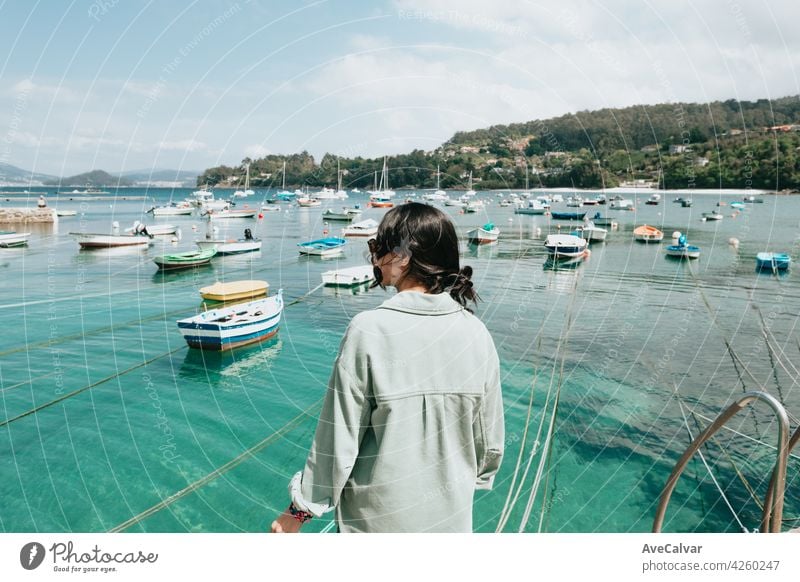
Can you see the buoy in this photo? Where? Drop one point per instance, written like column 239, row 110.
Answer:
column 115, row 224
column 734, row 242
column 676, row 234
column 260, row 215
column 538, row 231
column 194, row 227
column 174, row 239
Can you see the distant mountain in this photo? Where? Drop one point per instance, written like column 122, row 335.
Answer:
column 158, row 175
column 93, row 179
column 14, row 176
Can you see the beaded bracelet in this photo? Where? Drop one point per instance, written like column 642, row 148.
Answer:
column 301, row 516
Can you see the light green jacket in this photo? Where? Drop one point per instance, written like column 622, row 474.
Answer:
column 412, row 421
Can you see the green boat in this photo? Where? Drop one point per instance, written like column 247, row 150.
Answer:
column 185, row 260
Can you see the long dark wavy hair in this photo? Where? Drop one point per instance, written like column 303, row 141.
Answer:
column 427, row 236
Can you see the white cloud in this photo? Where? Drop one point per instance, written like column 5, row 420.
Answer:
column 188, row 145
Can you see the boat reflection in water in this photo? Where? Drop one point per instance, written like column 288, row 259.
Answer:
column 226, row 369
column 331, row 291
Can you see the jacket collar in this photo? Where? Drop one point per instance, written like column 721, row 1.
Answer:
column 422, row 303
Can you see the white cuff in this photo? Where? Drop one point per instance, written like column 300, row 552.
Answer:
column 295, row 486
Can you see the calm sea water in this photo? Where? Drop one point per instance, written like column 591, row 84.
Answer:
column 623, row 356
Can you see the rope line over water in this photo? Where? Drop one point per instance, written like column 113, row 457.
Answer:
column 218, row 471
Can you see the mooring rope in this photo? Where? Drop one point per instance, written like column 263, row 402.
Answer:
column 218, row 471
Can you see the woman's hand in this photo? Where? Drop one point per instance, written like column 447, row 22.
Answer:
column 286, row 523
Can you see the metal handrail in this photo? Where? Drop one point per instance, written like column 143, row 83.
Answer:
column 773, row 507
column 771, row 489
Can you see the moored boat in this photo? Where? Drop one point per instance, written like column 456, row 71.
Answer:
column 345, row 214
column 184, row 260
column 232, row 246
column 488, row 233
column 567, row 215
column 367, row 227
column 154, row 229
column 234, row 290
column 322, row 247
column 654, row 200
column 647, row 234
column 349, row 276
column 171, row 210
column 737, row 205
column 231, row 327
column 713, row 215
column 98, row 241
column 565, row 245
column 532, row 207
column 12, row 238
column 231, row 213
column 591, row 233
column 600, row 220
column 773, row 261
column 683, row 250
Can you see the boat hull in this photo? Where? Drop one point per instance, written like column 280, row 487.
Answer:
column 683, row 252
column 233, row 327
column 103, row 241
column 772, row 262
column 349, row 277
column 230, row 247
column 480, row 236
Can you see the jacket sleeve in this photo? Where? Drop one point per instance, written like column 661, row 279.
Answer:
column 343, row 420
column 490, row 428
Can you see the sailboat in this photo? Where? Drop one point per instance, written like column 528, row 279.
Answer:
column 247, row 191
column 381, row 197
column 470, row 192
column 284, row 194
column 440, row 194
column 340, row 194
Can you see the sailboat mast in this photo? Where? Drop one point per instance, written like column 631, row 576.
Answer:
column 284, row 175
column 438, row 177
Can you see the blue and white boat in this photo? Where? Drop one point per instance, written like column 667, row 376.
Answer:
column 322, row 247
column 682, row 250
column 565, row 245
column 737, row 205
column 232, row 327
column 773, row 261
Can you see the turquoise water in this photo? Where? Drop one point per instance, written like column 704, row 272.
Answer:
column 620, row 343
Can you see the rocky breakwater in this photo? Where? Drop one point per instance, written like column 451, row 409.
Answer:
column 23, row 215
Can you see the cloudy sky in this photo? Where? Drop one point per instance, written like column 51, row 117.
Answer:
column 135, row 84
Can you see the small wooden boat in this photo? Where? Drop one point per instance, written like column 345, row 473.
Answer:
column 232, row 246
column 66, row 212
column 101, row 241
column 567, row 215
column 737, row 205
column 229, row 213
column 591, row 233
column 647, row 234
column 171, row 210
column 773, row 261
column 184, row 260
column 488, row 233
column 364, row 228
column 12, row 238
column 154, row 229
column 565, row 245
column 713, row 215
column 322, row 247
column 654, row 200
column 380, row 203
column 346, row 214
column 349, row 277
column 306, row 202
column 621, row 204
column 230, row 327
column 682, row 250
column 600, row 220
column 234, row 290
